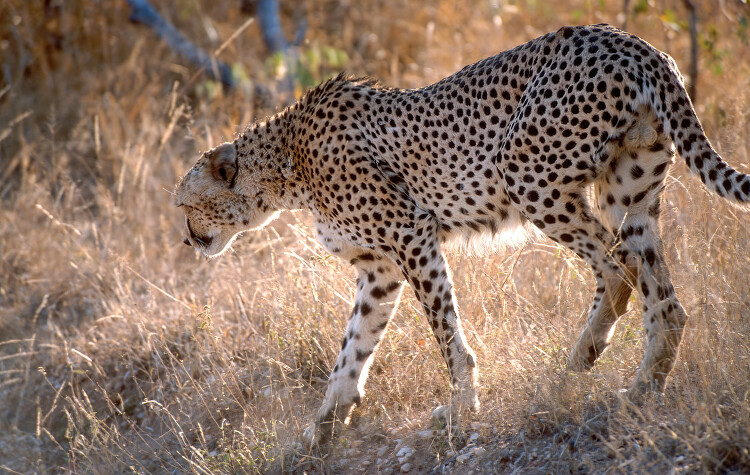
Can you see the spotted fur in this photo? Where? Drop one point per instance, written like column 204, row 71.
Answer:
column 510, row 142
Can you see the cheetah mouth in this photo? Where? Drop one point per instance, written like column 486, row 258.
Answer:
column 201, row 243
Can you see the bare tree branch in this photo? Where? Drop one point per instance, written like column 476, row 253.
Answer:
column 143, row 12
column 626, row 11
column 267, row 12
column 693, row 49
column 270, row 25
column 273, row 35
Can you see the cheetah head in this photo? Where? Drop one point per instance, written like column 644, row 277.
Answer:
column 223, row 195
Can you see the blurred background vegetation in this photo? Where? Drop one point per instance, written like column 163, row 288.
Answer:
column 120, row 351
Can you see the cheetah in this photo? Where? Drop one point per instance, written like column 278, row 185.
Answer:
column 512, row 142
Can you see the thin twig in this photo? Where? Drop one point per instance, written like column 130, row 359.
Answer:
column 162, row 291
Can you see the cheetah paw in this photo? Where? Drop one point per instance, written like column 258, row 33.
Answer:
column 309, row 437
column 316, row 435
column 444, row 416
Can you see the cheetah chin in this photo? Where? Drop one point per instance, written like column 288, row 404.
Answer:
column 571, row 135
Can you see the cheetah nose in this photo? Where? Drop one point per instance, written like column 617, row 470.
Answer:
column 186, row 241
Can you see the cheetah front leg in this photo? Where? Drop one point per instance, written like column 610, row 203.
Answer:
column 379, row 285
column 429, row 276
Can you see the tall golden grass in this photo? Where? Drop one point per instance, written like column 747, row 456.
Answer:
column 121, row 351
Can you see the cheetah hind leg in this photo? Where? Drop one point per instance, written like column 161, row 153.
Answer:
column 643, row 169
column 606, row 309
column 629, row 200
column 663, row 316
column 613, row 270
column 623, row 197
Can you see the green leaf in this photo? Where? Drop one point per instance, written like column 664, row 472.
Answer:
column 641, row 7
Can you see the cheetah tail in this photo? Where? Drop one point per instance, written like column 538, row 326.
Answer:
column 675, row 110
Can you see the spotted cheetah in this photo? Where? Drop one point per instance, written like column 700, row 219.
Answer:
column 510, row 142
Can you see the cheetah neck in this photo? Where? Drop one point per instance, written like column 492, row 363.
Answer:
column 265, row 152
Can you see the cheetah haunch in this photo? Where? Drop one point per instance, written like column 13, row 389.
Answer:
column 508, row 142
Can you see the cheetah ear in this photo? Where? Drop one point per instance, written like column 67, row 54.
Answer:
column 222, row 162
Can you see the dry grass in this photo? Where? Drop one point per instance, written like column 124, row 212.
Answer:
column 121, row 351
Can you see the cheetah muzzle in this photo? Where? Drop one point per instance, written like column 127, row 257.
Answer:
column 508, row 143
